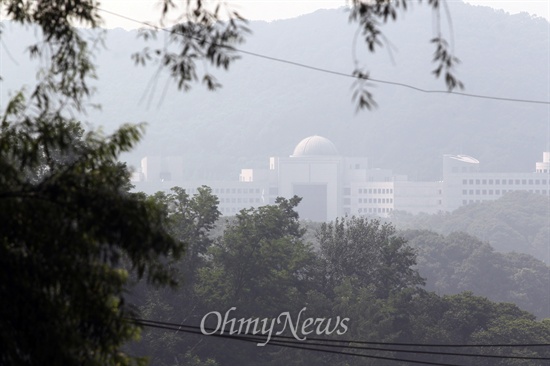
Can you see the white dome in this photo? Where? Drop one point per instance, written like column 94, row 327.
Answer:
column 315, row 146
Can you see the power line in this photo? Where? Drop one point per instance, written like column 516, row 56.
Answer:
column 342, row 74
column 330, row 342
column 370, row 342
column 301, row 347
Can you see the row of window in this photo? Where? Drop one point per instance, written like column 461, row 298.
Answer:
column 237, row 191
column 376, row 191
column 376, row 200
column 503, row 181
column 239, row 200
column 497, row 191
column 375, row 210
column 228, row 210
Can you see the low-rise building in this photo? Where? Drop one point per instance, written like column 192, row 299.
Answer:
column 332, row 185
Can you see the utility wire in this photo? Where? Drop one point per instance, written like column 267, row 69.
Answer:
column 301, row 347
column 369, row 342
column 338, row 73
column 330, row 343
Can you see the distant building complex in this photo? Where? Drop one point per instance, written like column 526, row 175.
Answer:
column 332, row 185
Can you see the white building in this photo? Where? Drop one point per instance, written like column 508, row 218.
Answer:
column 332, row 185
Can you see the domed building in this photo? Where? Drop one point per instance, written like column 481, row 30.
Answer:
column 332, row 185
column 313, row 172
column 315, row 146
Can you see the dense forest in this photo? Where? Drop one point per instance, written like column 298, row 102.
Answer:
column 261, row 264
column 517, row 222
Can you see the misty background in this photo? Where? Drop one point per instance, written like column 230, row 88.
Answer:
column 264, row 107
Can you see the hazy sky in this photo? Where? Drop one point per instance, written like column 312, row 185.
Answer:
column 144, row 10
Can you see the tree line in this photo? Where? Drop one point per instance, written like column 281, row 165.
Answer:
column 359, row 268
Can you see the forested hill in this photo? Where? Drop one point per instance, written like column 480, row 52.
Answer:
column 517, row 222
column 266, row 107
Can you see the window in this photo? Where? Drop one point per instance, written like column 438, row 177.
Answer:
column 478, row 181
column 464, row 181
column 477, row 191
column 497, row 181
column 530, row 181
column 464, row 191
column 360, row 191
column 471, row 191
column 524, row 181
column 517, row 181
column 471, row 181
column 497, row 191
column 490, row 191
column 484, row 191
column 490, row 181
column 537, row 181
column 484, row 181
column 464, row 202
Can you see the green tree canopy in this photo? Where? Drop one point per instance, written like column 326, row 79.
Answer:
column 260, row 262
column 70, row 233
column 368, row 252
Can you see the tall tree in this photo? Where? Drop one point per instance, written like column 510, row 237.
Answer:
column 369, row 253
column 70, row 234
column 260, row 262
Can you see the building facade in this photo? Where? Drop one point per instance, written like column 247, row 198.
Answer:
column 332, row 185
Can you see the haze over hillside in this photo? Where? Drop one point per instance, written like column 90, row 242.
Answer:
column 265, row 107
